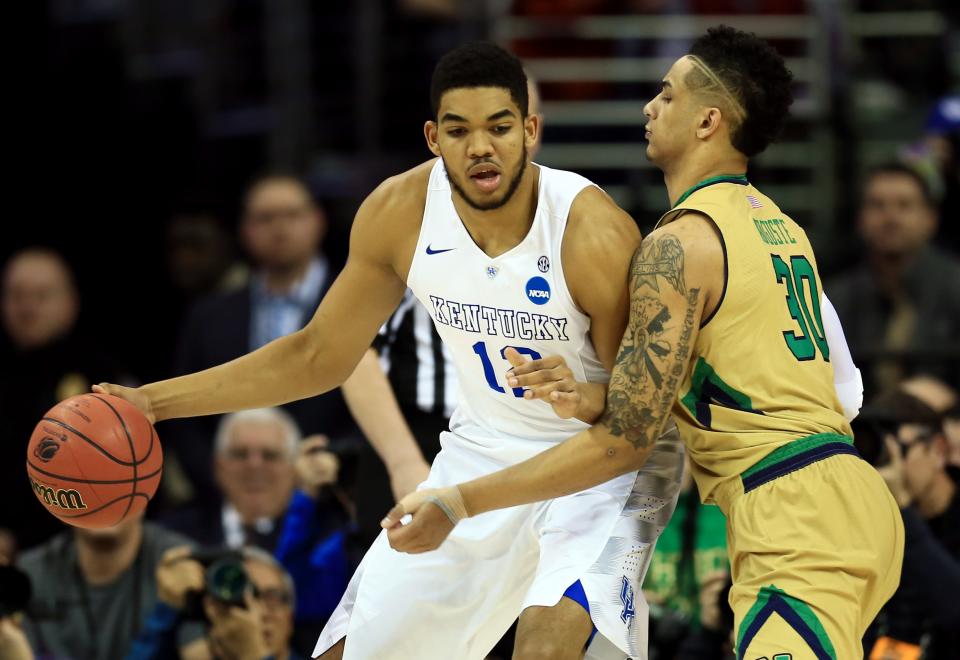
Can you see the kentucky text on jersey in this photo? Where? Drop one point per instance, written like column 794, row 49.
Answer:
column 498, row 322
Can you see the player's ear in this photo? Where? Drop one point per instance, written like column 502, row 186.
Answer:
column 532, row 126
column 709, row 122
column 430, row 133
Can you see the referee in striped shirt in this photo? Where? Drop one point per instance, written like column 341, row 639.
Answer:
column 401, row 394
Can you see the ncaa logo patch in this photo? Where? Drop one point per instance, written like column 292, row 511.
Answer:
column 538, row 290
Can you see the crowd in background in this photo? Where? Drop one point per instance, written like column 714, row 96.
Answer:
column 226, row 262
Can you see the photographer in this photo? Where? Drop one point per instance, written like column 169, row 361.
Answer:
column 245, row 596
column 922, row 615
column 92, row 589
column 312, row 546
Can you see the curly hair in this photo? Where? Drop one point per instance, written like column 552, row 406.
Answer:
column 479, row 64
column 754, row 74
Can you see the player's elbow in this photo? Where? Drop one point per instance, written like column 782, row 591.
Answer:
column 320, row 361
column 622, row 457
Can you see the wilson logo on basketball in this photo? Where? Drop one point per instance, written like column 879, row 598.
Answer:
column 62, row 498
column 47, row 449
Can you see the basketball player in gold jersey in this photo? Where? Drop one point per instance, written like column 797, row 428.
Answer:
column 726, row 333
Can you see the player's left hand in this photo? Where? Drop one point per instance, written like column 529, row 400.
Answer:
column 435, row 511
column 548, row 379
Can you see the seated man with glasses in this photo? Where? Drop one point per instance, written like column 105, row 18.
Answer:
column 259, row 629
column 254, row 455
column 910, row 450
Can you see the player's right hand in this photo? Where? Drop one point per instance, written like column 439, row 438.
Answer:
column 548, row 379
column 132, row 394
column 177, row 575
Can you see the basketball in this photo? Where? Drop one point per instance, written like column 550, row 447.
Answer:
column 94, row 460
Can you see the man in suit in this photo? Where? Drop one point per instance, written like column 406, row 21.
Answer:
column 282, row 230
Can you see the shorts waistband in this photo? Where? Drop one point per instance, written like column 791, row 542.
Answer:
column 783, row 460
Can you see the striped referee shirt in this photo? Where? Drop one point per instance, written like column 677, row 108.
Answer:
column 415, row 360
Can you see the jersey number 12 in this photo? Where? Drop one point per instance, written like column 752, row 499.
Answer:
column 480, row 348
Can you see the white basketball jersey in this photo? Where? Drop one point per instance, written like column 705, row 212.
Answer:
column 481, row 305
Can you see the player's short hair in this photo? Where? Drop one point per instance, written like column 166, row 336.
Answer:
column 755, row 75
column 479, row 64
column 279, row 416
column 900, row 169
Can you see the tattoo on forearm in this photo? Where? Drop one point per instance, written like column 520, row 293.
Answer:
column 650, row 367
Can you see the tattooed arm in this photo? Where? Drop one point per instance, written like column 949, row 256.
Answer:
column 676, row 275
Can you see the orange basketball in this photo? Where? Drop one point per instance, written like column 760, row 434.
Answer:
column 94, row 460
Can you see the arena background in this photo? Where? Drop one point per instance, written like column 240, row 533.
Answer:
column 146, row 109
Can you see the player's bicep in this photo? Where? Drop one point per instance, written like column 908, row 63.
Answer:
column 597, row 251
column 608, row 321
column 361, row 298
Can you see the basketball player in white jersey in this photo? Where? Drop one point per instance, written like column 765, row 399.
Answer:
column 524, row 271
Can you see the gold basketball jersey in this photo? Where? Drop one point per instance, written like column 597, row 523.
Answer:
column 760, row 374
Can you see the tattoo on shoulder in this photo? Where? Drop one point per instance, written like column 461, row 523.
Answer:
column 655, row 348
column 662, row 256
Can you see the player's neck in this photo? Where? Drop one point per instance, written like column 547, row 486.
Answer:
column 699, row 167
column 497, row 231
column 102, row 563
column 936, row 499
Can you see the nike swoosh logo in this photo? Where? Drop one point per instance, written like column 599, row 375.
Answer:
column 432, row 251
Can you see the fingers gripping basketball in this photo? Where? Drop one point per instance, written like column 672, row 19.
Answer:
column 94, row 460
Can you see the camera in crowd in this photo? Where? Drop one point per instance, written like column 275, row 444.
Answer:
column 225, row 580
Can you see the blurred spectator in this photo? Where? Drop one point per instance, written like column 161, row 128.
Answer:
column 93, row 589
column 932, row 391
column 922, row 614
column 313, row 544
column 687, row 572
column 937, row 156
column 253, row 467
column 45, row 360
column 261, row 629
column 945, row 401
column 900, row 308
column 201, row 258
column 8, row 547
column 282, row 230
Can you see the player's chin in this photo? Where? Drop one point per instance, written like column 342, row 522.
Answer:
column 487, row 202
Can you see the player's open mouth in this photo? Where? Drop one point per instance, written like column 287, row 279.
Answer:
column 487, row 177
